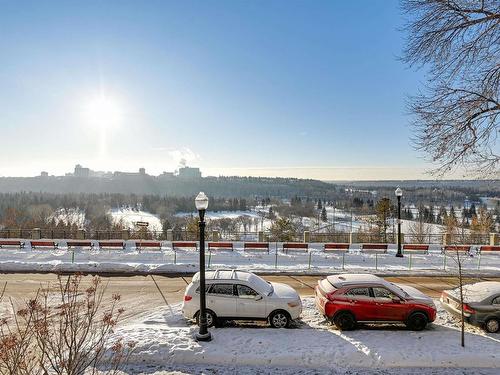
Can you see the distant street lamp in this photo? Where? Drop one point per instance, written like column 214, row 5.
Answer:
column 399, row 193
column 201, row 203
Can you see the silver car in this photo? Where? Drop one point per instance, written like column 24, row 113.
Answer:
column 481, row 304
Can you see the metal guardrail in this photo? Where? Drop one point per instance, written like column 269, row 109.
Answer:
column 431, row 239
column 249, row 236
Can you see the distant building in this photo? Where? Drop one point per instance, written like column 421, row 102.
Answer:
column 44, row 174
column 166, row 175
column 81, row 172
column 100, row 174
column 141, row 173
column 189, row 173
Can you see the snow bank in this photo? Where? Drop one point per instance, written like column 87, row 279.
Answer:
column 164, row 338
column 184, row 260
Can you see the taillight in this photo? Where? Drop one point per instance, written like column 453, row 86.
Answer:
column 187, row 298
column 468, row 309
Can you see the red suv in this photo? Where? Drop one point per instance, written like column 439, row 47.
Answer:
column 350, row 298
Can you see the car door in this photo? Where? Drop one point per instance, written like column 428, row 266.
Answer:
column 249, row 303
column 495, row 305
column 359, row 301
column 221, row 299
column 386, row 309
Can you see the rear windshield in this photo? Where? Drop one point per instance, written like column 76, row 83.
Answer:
column 476, row 292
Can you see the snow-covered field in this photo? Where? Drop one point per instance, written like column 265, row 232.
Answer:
column 68, row 216
column 259, row 222
column 167, row 260
column 128, row 217
column 164, row 342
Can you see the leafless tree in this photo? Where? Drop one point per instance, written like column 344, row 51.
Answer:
column 19, row 354
column 456, row 116
column 419, row 231
column 70, row 334
column 460, row 257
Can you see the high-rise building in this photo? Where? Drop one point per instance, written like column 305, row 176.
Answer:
column 189, row 173
column 81, row 172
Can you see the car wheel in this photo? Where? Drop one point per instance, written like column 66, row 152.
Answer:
column 492, row 325
column 279, row 319
column 211, row 318
column 417, row 321
column 345, row 321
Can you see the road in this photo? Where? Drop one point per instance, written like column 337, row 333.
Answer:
column 139, row 293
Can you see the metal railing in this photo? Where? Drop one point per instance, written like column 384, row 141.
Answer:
column 330, row 237
column 249, row 236
column 431, row 239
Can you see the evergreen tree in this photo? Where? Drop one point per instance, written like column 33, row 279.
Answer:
column 452, row 213
column 271, row 213
column 324, row 217
column 472, row 210
column 383, row 211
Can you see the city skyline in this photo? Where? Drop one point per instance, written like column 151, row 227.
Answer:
column 306, row 173
column 276, row 89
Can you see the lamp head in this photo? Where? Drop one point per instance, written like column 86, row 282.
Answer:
column 201, row 201
column 398, row 192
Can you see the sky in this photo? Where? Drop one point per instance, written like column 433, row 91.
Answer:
column 310, row 89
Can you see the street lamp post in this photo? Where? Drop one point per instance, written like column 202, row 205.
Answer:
column 399, row 193
column 201, row 203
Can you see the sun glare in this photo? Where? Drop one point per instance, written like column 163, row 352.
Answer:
column 103, row 111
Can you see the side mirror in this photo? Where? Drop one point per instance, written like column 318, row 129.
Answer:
column 396, row 299
column 258, row 297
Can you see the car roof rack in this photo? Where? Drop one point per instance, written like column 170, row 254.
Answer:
column 233, row 271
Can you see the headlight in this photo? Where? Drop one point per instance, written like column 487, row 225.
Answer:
column 294, row 304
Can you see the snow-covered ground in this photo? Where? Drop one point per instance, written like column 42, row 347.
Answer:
column 215, row 215
column 128, row 217
column 164, row 342
column 167, row 260
column 260, row 223
column 70, row 216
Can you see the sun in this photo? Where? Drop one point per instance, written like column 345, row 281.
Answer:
column 103, row 111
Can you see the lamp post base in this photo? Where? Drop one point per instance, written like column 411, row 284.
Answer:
column 203, row 337
column 399, row 255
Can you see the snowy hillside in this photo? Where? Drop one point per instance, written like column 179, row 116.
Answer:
column 129, row 217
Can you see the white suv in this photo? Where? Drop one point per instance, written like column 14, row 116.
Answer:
column 241, row 295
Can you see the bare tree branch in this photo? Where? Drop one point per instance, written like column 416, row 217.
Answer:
column 456, row 119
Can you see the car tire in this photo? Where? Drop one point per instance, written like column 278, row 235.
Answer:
column 492, row 325
column 417, row 321
column 211, row 318
column 279, row 319
column 345, row 321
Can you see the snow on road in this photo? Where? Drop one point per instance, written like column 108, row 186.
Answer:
column 164, row 341
column 166, row 260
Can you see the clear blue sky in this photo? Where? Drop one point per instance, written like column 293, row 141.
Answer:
column 297, row 88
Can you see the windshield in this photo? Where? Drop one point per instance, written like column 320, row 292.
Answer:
column 272, row 289
column 402, row 290
column 261, row 285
